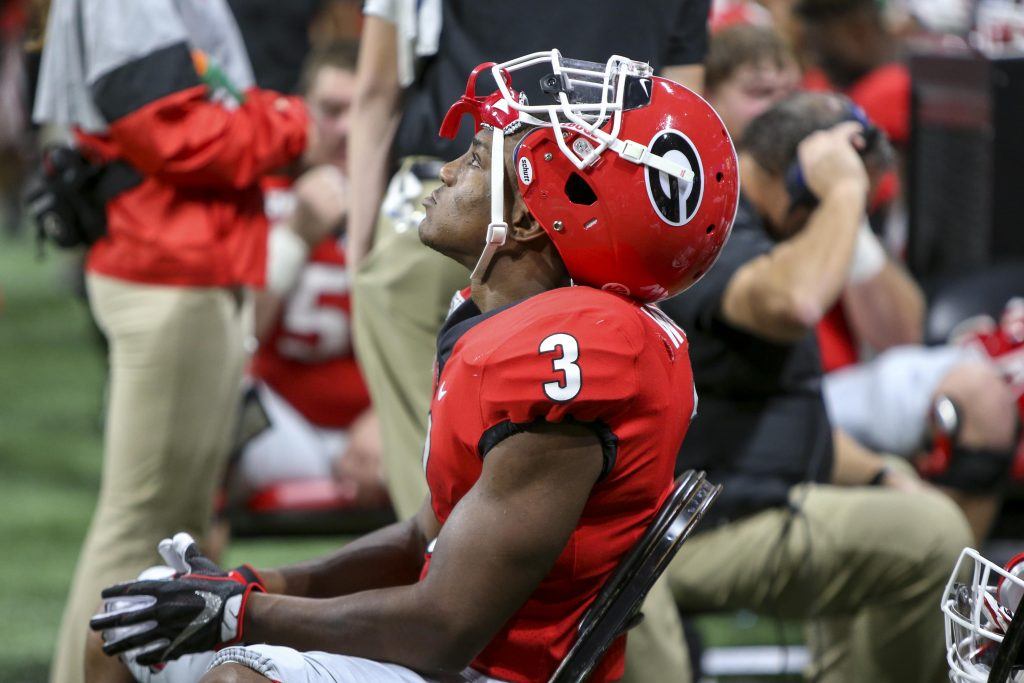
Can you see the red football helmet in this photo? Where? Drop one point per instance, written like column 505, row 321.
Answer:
column 633, row 177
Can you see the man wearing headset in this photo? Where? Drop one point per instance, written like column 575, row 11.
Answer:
column 811, row 526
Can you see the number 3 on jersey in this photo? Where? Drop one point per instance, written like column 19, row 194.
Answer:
column 571, row 379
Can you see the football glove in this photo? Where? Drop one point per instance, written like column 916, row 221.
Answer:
column 201, row 608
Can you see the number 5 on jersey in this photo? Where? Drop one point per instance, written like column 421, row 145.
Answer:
column 570, row 379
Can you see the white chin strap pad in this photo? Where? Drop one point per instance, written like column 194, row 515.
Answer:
column 497, row 229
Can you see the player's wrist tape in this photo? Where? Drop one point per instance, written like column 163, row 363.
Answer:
column 233, row 620
column 287, row 253
column 246, row 574
column 868, row 256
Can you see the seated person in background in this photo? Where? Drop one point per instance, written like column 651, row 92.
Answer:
column 304, row 373
column 945, row 407
column 850, row 49
column 557, row 414
column 884, row 403
column 811, row 526
column 748, row 69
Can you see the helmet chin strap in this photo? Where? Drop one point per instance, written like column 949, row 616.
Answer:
column 497, row 229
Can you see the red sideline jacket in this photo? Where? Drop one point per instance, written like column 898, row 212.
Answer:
column 197, row 218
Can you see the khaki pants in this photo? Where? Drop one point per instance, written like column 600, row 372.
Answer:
column 401, row 296
column 866, row 566
column 175, row 369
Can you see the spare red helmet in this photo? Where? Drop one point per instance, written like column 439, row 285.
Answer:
column 633, row 177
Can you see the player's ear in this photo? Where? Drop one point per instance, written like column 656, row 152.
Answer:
column 523, row 227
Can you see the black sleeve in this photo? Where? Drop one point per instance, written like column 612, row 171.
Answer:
column 688, row 42
column 146, row 79
column 699, row 307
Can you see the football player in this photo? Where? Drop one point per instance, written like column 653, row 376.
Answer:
column 304, row 375
column 305, row 379
column 560, row 400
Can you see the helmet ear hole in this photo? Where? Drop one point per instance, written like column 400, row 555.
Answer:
column 579, row 191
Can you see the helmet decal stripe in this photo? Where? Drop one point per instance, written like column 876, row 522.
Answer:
column 675, row 205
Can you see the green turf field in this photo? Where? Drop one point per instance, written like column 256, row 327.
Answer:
column 51, row 389
column 51, row 395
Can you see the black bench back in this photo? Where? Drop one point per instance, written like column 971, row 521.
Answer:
column 617, row 607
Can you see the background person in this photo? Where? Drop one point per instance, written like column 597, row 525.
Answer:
column 885, row 401
column 883, row 386
column 304, row 372
column 850, row 49
column 179, row 246
column 809, row 526
column 304, row 375
column 748, row 69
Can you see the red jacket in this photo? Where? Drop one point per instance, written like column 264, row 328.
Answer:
column 197, row 218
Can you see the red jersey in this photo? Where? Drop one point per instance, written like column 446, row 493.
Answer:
column 576, row 353
column 835, row 340
column 307, row 358
column 883, row 94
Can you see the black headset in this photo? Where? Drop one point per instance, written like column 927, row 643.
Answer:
column 800, row 194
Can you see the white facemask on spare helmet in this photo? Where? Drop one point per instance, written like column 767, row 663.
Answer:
column 983, row 641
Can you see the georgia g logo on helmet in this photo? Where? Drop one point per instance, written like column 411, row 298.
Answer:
column 674, row 204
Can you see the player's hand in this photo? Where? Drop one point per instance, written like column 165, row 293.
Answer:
column 201, row 608
column 321, row 203
column 829, row 159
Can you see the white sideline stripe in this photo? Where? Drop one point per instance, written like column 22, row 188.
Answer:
column 754, row 660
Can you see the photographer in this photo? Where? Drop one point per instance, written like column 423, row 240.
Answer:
column 811, row 526
column 163, row 89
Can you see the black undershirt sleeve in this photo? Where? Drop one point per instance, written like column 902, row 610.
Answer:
column 501, row 431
